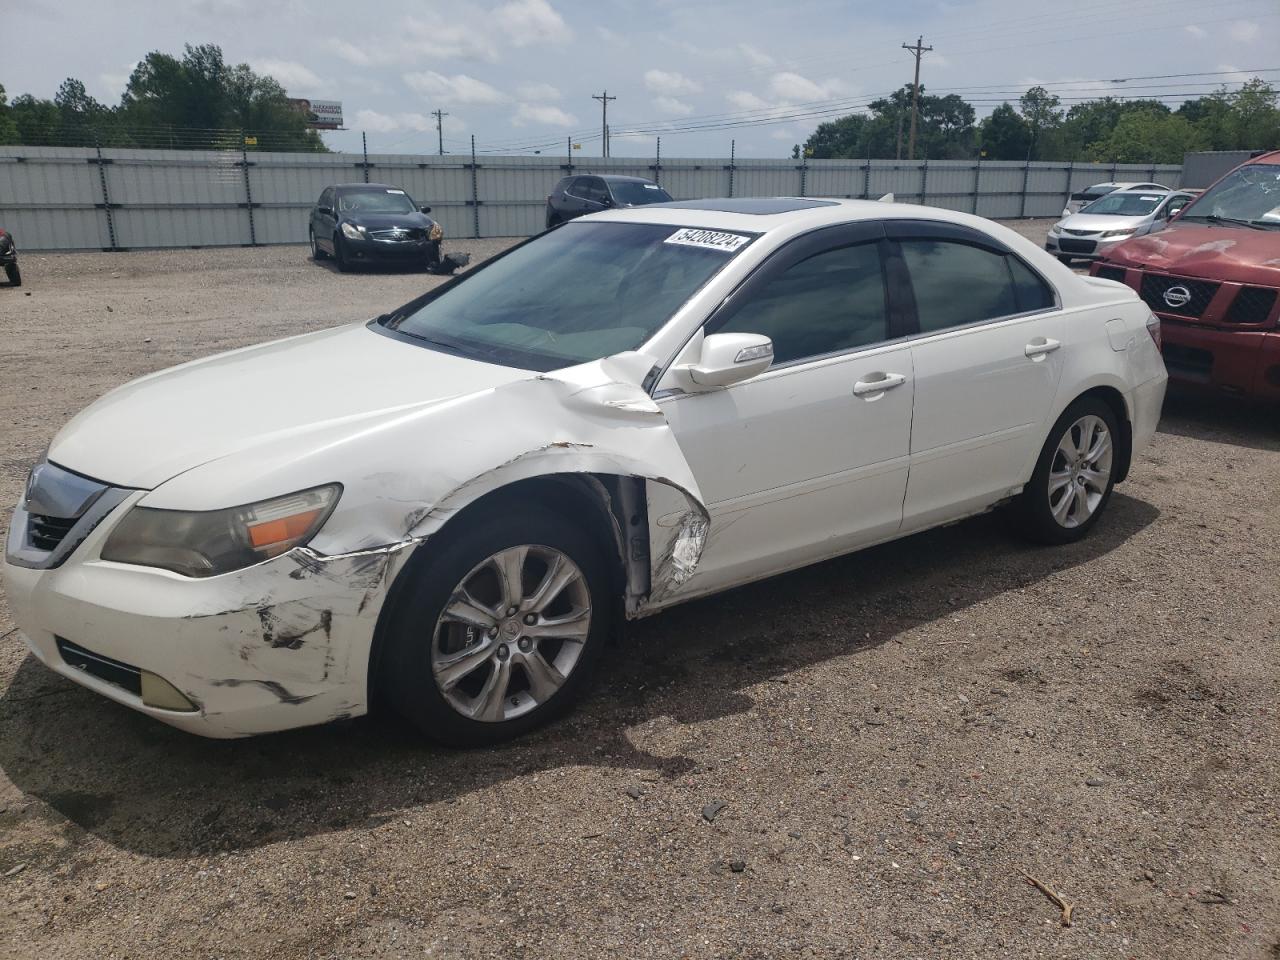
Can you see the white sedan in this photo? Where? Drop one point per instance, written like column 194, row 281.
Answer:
column 1113, row 219
column 447, row 509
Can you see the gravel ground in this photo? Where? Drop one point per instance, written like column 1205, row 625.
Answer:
column 855, row 760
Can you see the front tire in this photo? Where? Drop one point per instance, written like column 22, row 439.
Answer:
column 498, row 629
column 1067, row 260
column 1074, row 476
column 13, row 273
column 340, row 254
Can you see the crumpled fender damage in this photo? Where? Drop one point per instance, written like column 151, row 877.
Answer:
column 591, row 419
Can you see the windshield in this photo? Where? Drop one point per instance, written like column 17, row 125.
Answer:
column 635, row 192
column 377, row 200
column 1251, row 194
column 1125, row 204
column 578, row 293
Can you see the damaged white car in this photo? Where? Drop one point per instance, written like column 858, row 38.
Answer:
column 448, row 509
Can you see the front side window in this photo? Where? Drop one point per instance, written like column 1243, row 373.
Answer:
column 593, row 189
column 579, row 293
column 829, row 303
column 957, row 283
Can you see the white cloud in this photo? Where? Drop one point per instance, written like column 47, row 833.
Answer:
column 459, row 88
column 1244, row 31
column 349, row 52
column 795, row 88
column 375, row 122
column 1196, row 31
column 291, row 75
column 607, row 35
column 543, row 115
column 670, row 84
column 673, row 106
column 746, row 100
column 755, row 56
column 537, row 91
column 447, row 41
column 116, row 82
column 530, row 22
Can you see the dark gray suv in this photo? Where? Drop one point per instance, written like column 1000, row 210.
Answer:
column 577, row 196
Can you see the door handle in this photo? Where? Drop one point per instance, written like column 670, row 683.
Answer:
column 1041, row 346
column 880, row 383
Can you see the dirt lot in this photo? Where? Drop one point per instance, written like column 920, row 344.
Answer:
column 896, row 735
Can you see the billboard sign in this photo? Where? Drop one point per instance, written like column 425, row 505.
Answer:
column 320, row 114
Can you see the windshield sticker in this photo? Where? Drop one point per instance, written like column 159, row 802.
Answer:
column 652, row 186
column 1150, row 198
column 708, row 239
column 401, row 192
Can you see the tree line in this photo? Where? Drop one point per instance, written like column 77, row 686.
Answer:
column 197, row 102
column 1038, row 127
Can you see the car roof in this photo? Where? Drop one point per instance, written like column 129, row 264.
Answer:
column 366, row 186
column 790, row 214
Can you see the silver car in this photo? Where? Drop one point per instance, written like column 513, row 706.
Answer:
column 1081, row 199
column 1112, row 219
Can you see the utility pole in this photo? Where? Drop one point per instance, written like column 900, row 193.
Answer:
column 440, row 115
column 918, row 50
column 604, row 99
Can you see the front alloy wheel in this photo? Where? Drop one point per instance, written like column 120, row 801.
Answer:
column 511, row 633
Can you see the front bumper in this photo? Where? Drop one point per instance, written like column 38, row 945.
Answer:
column 1244, row 362
column 278, row 645
column 1081, row 248
column 427, row 251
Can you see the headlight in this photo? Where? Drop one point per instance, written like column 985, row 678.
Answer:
column 207, row 543
column 437, row 232
column 1119, row 233
column 1056, row 228
column 352, row 232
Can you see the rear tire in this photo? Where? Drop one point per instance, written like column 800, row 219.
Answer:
column 316, row 252
column 457, row 670
column 1074, row 476
column 13, row 273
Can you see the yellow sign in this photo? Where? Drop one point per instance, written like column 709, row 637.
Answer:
column 577, row 146
column 250, row 141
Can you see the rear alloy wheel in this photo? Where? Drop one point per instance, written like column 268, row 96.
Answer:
column 1074, row 476
column 14, row 274
column 498, row 630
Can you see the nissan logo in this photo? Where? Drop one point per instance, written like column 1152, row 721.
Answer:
column 1178, row 296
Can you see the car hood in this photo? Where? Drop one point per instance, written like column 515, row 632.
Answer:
column 1098, row 222
column 386, row 221
column 1234, row 254
column 154, row 428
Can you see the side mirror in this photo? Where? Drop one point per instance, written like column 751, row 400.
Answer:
column 606, row 201
column 729, row 358
column 327, row 211
column 425, row 209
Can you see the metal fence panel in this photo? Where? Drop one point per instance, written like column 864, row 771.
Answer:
column 77, row 198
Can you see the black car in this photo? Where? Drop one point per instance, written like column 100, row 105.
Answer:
column 365, row 222
column 9, row 258
column 576, row 196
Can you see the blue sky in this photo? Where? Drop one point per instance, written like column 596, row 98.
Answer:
column 519, row 74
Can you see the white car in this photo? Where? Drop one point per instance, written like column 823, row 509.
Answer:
column 1081, row 199
column 1113, row 219
column 448, row 508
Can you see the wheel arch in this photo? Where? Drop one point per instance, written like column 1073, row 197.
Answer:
column 611, row 508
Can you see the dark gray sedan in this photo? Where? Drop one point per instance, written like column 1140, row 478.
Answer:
column 367, row 222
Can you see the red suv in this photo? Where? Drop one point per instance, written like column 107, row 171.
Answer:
column 1212, row 276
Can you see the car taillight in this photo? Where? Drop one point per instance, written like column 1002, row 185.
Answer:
column 1153, row 328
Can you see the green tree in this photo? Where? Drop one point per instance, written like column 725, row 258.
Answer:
column 1148, row 137
column 1039, row 108
column 944, row 129
column 8, row 127
column 1005, row 135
